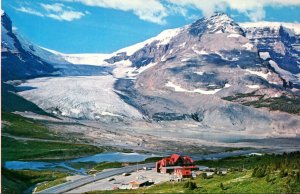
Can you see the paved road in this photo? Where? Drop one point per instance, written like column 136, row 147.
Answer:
column 88, row 179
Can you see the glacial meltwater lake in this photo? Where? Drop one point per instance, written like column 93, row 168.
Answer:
column 97, row 158
column 109, row 157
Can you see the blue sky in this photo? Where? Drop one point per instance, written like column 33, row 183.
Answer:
column 104, row 26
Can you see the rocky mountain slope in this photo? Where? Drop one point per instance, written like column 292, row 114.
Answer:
column 18, row 63
column 279, row 44
column 185, row 75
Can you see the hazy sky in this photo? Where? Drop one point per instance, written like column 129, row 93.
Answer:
column 103, row 26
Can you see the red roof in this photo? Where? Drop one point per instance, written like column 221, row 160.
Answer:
column 174, row 159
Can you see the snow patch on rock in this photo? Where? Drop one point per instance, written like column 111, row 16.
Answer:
column 202, row 52
column 264, row 55
column 178, row 88
column 259, row 73
column 248, row 46
column 233, row 36
column 253, row 86
column 199, row 72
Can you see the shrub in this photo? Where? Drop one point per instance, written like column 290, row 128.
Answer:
column 282, row 173
column 190, row 185
column 259, row 172
column 222, row 186
column 297, row 176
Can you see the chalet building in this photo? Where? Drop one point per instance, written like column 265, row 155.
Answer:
column 183, row 172
column 181, row 166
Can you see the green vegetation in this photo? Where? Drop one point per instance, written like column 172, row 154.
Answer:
column 268, row 173
column 283, row 103
column 50, row 183
column 27, row 139
column 250, row 162
column 96, row 166
column 152, row 159
column 233, row 182
column 85, row 165
column 33, row 141
column 241, row 96
column 17, row 181
column 190, row 185
column 13, row 102
column 106, row 165
column 17, row 125
column 13, row 149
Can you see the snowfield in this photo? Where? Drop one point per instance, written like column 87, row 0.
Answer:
column 87, row 97
column 200, row 91
column 84, row 59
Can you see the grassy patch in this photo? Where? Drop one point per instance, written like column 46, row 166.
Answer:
column 49, row 184
column 106, row 165
column 33, row 150
column 17, row 181
column 17, row 125
column 96, row 166
column 250, row 162
column 152, row 159
column 85, row 165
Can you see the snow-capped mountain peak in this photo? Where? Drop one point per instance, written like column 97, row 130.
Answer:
column 217, row 23
column 17, row 62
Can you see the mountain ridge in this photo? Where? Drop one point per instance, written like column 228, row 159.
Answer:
column 182, row 74
column 17, row 63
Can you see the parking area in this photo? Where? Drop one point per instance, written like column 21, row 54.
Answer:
column 123, row 181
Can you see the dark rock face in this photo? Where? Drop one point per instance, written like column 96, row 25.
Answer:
column 117, row 58
column 16, row 62
column 281, row 43
column 150, row 53
column 6, row 22
column 163, row 116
